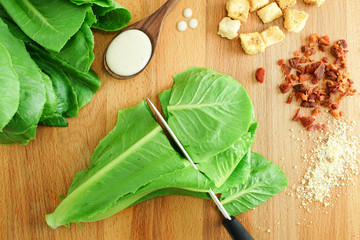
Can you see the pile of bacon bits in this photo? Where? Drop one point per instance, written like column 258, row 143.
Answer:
column 317, row 83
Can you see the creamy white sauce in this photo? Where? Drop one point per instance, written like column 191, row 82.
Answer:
column 187, row 12
column 181, row 26
column 129, row 53
column 193, row 23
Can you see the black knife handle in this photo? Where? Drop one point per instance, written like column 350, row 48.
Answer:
column 236, row 230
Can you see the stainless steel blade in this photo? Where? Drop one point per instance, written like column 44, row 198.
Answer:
column 178, row 143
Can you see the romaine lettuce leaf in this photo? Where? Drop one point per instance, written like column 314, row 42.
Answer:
column 134, row 153
column 266, row 179
column 111, row 18
column 208, row 112
column 32, row 86
column 49, row 23
column 9, row 88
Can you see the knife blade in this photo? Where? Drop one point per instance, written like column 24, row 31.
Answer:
column 232, row 225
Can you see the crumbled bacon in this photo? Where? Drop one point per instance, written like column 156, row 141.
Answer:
column 286, row 69
column 307, row 121
column 297, row 53
column 297, row 115
column 284, row 88
column 316, row 111
column 320, row 72
column 281, row 62
column 293, row 62
column 335, row 114
column 322, row 83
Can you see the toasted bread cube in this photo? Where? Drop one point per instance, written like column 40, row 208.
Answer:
column 295, row 20
column 315, row 2
column 257, row 4
column 228, row 28
column 269, row 13
column 272, row 35
column 284, row 4
column 252, row 43
column 238, row 9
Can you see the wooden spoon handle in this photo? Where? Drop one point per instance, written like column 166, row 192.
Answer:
column 152, row 24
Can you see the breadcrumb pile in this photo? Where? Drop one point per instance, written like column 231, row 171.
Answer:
column 333, row 162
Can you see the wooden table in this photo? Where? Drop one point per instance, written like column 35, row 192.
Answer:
column 32, row 176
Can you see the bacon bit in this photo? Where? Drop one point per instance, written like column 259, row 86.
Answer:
column 286, row 69
column 335, row 114
column 350, row 81
column 308, row 104
column 325, row 60
column 297, row 115
column 297, row 53
column 320, row 72
column 331, row 75
column 304, row 48
column 284, row 88
column 312, row 45
column 281, row 62
column 325, row 40
column 314, row 37
column 260, row 75
column 309, row 52
column 335, row 106
column 322, row 47
column 307, row 121
column 341, row 113
column 325, row 127
column 300, row 88
column 290, row 98
column 305, row 77
column 303, row 60
column 342, row 43
column 316, row 111
column 293, row 62
column 314, row 127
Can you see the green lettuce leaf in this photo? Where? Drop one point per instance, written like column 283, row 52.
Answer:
column 131, row 155
column 266, row 179
column 9, row 88
column 50, row 23
column 51, row 101
column 32, row 86
column 111, row 18
column 208, row 112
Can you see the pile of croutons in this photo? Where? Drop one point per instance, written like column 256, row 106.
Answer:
column 253, row 43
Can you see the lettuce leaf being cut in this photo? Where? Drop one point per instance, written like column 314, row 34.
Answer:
column 136, row 162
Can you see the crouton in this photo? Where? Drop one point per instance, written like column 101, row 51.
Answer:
column 283, row 4
column 315, row 2
column 228, row 28
column 257, row 4
column 269, row 13
column 272, row 35
column 295, row 20
column 252, row 43
column 238, row 9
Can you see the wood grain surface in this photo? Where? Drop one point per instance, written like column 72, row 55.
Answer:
column 32, row 176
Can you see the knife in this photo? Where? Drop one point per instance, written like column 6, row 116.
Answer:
column 232, row 225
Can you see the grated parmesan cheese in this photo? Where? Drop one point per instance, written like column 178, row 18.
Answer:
column 333, row 162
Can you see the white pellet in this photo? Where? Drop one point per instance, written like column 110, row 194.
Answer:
column 193, row 23
column 187, row 12
column 181, row 26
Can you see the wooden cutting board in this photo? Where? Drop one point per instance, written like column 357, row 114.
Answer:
column 32, row 176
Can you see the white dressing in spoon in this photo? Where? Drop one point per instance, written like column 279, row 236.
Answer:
column 129, row 53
